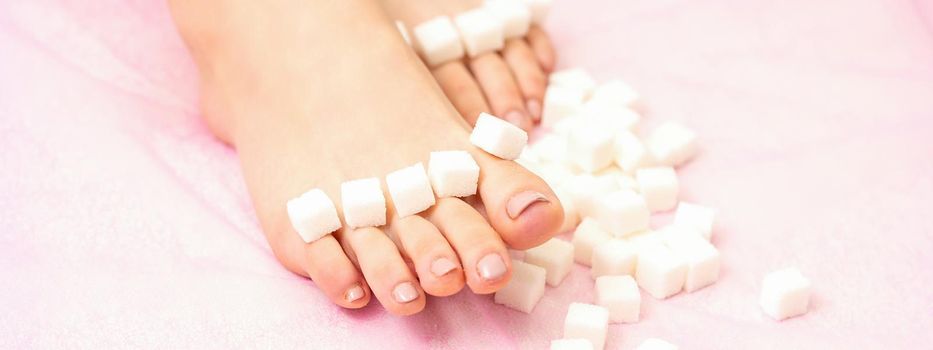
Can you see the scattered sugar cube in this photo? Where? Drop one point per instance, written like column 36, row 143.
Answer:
column 696, row 216
column 498, row 137
column 587, row 321
column 672, row 144
column 614, row 118
column 785, row 293
column 555, row 256
column 614, row 257
column 363, row 202
column 403, row 31
column 660, row 271
column 591, row 147
column 555, row 175
column 438, row 40
column 630, row 152
column 656, row 344
column 480, row 30
column 539, row 9
column 410, row 190
column 587, row 189
column 571, row 215
column 313, row 215
column 622, row 212
column 550, row 148
column 524, row 289
column 515, row 16
column 701, row 257
column 560, row 102
column 659, row 186
column 576, row 78
column 453, row 173
column 571, row 344
column 619, row 295
column 586, row 237
column 615, row 92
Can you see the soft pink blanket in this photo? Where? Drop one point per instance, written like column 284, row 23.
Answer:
column 124, row 224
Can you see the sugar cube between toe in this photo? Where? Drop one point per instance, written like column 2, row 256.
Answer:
column 498, row 137
column 453, row 173
column 539, row 9
column 313, row 215
column 480, row 30
column 515, row 16
column 410, row 190
column 363, row 203
column 438, row 40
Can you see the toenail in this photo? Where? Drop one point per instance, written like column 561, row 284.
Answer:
column 442, row 266
column 354, row 294
column 404, row 292
column 519, row 202
column 516, row 118
column 491, row 267
column 534, row 108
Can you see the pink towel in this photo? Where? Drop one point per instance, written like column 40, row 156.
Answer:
column 124, row 224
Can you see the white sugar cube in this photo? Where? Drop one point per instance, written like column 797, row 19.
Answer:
column 363, row 203
column 403, row 31
column 571, row 215
column 614, row 118
column 660, row 187
column 630, row 152
column 614, row 257
column 576, row 78
column 785, row 293
column 524, row 289
column 438, row 40
column 555, row 175
column 498, row 137
column 410, row 190
column 660, row 272
column 480, row 30
column 622, row 212
column 701, row 257
column 619, row 295
column 656, row 344
column 591, row 147
column 453, row 173
column 561, row 102
column 515, row 16
column 696, row 216
column 313, row 215
column 615, row 92
column 539, row 9
column 672, row 144
column 585, row 238
column 571, row 344
column 587, row 321
column 550, row 148
column 587, row 189
column 555, row 256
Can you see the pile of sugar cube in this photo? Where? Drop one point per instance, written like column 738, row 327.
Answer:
column 610, row 179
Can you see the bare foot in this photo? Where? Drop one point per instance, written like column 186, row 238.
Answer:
column 314, row 93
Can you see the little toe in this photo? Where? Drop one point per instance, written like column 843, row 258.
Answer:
column 482, row 253
column 501, row 91
column 326, row 264
column 544, row 50
column 528, row 74
column 388, row 276
column 436, row 263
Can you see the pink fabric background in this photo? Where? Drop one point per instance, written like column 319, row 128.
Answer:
column 124, row 224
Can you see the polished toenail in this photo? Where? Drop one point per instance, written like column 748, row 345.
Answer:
column 442, row 266
column 519, row 202
column 534, row 108
column 404, row 292
column 354, row 294
column 491, row 267
column 516, row 118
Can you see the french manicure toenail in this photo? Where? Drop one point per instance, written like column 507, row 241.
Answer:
column 491, row 267
column 534, row 108
column 354, row 293
column 516, row 118
column 404, row 292
column 442, row 266
column 519, row 202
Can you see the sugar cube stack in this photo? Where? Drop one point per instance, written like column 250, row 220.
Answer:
column 659, row 186
column 480, row 30
column 612, row 258
column 410, row 190
column 571, row 344
column 672, row 144
column 515, row 16
column 498, row 137
column 313, row 215
column 587, row 237
column 524, row 289
column 363, row 203
column 438, row 40
column 587, row 321
column 785, row 293
column 453, row 173
column 619, row 295
column 656, row 344
column 555, row 256
column 622, row 212
column 660, row 271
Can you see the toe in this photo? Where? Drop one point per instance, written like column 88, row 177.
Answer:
column 436, row 263
column 389, row 278
column 462, row 90
column 326, row 264
column 520, row 206
column 544, row 50
column 500, row 89
column 482, row 253
column 528, row 74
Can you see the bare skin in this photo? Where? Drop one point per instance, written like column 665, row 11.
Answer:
column 314, row 93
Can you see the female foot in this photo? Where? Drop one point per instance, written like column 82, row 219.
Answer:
column 509, row 83
column 314, row 96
